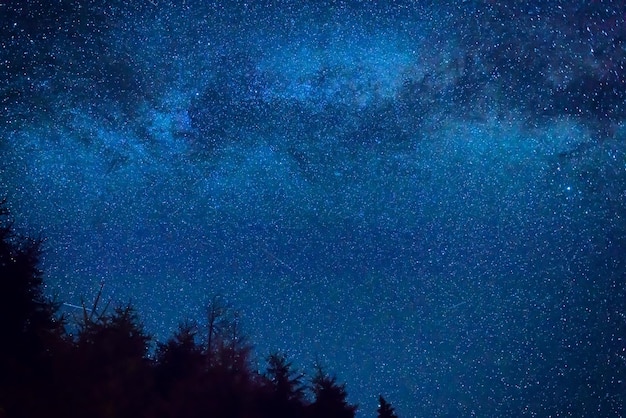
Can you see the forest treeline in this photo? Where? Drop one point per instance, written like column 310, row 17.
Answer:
column 102, row 365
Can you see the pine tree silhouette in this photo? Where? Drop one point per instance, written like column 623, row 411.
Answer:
column 330, row 397
column 284, row 387
column 111, row 373
column 29, row 326
column 105, row 368
column 181, row 377
column 27, row 317
column 179, row 358
column 385, row 410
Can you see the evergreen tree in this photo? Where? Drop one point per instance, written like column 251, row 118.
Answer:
column 178, row 359
column 27, row 318
column 29, row 326
column 385, row 410
column 285, row 395
column 330, row 397
column 181, row 376
column 111, row 373
column 105, row 370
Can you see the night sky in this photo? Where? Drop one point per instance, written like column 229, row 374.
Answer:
column 428, row 198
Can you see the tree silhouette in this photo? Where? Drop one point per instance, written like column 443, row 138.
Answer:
column 179, row 358
column 181, row 378
column 227, row 347
column 385, row 410
column 330, row 397
column 285, row 389
column 216, row 322
column 113, row 376
column 27, row 317
column 29, row 325
column 105, row 368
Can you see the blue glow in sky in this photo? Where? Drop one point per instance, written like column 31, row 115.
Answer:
column 429, row 199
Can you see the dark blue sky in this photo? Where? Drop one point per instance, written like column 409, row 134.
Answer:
column 429, row 199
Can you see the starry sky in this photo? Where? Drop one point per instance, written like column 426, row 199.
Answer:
column 427, row 197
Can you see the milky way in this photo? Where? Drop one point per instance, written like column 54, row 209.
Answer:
column 429, row 200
